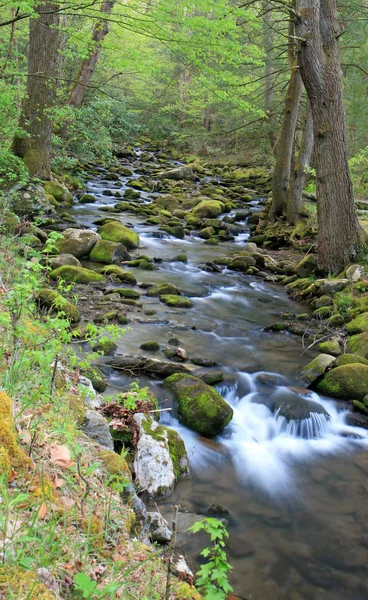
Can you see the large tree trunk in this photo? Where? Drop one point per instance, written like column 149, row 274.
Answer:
column 297, row 179
column 34, row 145
column 285, row 144
column 269, row 75
column 88, row 65
column 338, row 228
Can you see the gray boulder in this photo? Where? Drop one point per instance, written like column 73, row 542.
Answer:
column 179, row 173
column 78, row 242
column 96, row 427
column 160, row 458
column 316, row 368
column 159, row 530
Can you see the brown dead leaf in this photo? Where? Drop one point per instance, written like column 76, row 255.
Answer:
column 60, row 455
column 58, row 482
column 43, row 511
column 13, row 475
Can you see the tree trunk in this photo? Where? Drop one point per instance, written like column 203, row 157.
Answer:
column 338, row 228
column 269, row 75
column 297, row 180
column 88, row 65
column 34, row 145
column 285, row 145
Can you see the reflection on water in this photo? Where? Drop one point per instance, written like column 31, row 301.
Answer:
column 296, row 492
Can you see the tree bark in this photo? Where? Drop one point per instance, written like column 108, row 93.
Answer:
column 33, row 144
column 285, row 144
column 338, row 228
column 269, row 76
column 87, row 68
column 297, row 180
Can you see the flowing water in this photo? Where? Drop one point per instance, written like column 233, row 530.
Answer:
column 296, row 492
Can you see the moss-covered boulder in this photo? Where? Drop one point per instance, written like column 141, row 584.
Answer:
column 57, row 303
column 293, row 407
column 348, row 382
column 331, row 346
column 179, row 173
column 11, row 455
column 97, row 378
column 358, row 325
column 76, row 275
column 114, row 231
column 78, row 242
column 358, row 344
column 109, row 252
column 87, row 199
column 150, row 346
column 63, row 259
column 162, row 289
column 199, row 406
column 208, row 209
column 124, row 292
column 160, row 458
column 59, row 191
column 350, row 359
column 177, row 301
column 306, row 266
column 316, row 368
column 105, row 346
column 119, row 273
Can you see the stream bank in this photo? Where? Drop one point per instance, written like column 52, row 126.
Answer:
column 293, row 497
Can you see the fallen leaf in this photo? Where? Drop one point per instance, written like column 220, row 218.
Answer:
column 13, row 475
column 58, row 482
column 60, row 455
column 43, row 511
column 67, row 502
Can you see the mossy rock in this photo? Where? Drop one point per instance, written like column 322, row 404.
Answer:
column 162, row 289
column 78, row 242
column 349, row 359
column 63, row 259
column 59, row 191
column 96, row 377
column 200, row 407
column 323, row 313
column 57, row 303
column 360, row 407
column 125, row 293
column 347, row 382
column 358, row 325
column 114, row 231
column 316, row 368
column 211, row 241
column 108, row 252
column 206, row 233
column 150, row 346
column 22, row 583
column 107, row 347
column 330, row 347
column 132, row 194
column 177, row 301
column 180, row 258
column 208, row 209
column 11, row 456
column 306, row 266
column 87, row 199
column 358, row 344
column 76, row 275
column 119, row 273
column 77, row 407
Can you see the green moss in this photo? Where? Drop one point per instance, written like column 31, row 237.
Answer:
column 11, row 454
column 120, row 274
column 53, row 300
column 162, row 289
column 346, row 382
column 330, row 347
column 59, row 191
column 358, row 325
column 358, row 344
column 115, row 465
column 175, row 444
column 114, row 231
column 348, row 359
column 76, row 274
column 360, row 407
column 125, row 292
column 208, row 209
column 150, row 346
column 96, row 377
column 200, row 407
column 106, row 346
column 16, row 582
column 178, row 301
column 108, row 252
column 76, row 406
column 87, row 198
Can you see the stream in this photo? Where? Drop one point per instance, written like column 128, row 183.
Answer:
column 295, row 499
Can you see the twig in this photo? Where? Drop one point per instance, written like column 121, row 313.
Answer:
column 87, row 484
column 54, row 375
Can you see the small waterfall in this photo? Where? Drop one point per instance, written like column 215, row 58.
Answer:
column 315, row 426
